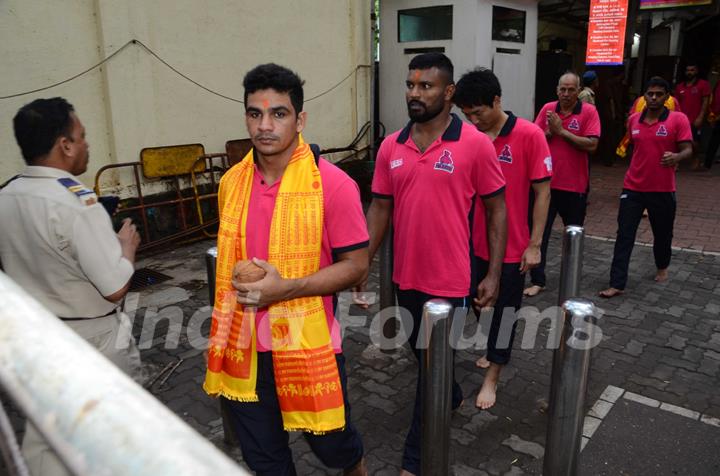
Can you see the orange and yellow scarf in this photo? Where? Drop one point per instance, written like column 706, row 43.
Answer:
column 306, row 374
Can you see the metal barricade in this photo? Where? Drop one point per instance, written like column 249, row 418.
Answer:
column 570, row 367
column 436, row 386
column 9, row 449
column 175, row 165
column 95, row 417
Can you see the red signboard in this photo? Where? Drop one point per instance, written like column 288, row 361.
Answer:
column 653, row 4
column 606, row 32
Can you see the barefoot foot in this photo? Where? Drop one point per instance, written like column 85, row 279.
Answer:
column 610, row 292
column 486, row 395
column 533, row 290
column 482, row 362
column 661, row 275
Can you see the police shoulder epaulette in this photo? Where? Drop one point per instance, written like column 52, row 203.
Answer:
column 85, row 195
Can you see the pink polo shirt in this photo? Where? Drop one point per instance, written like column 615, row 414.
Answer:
column 344, row 229
column 570, row 165
column 650, row 141
column 691, row 97
column 524, row 157
column 432, row 193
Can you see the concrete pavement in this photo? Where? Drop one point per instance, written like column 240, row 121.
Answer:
column 660, row 341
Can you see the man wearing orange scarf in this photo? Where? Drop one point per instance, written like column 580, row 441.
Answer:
column 274, row 351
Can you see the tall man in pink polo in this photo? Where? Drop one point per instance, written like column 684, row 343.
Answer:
column 661, row 139
column 426, row 177
column 524, row 157
column 308, row 256
column 572, row 129
column 694, row 97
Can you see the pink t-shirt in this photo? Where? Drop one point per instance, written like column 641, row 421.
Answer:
column 650, row 141
column 524, row 157
column 344, row 229
column 691, row 97
column 432, row 194
column 570, row 165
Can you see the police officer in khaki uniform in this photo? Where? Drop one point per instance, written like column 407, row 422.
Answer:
column 58, row 243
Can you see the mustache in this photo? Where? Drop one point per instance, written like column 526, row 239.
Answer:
column 415, row 102
column 266, row 136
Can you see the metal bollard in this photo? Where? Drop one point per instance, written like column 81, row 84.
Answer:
column 210, row 263
column 569, row 389
column 571, row 264
column 562, row 444
column 229, row 436
column 436, row 386
column 387, row 290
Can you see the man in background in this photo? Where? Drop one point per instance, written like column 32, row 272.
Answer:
column 590, row 85
column 426, row 177
column 660, row 140
column 693, row 95
column 572, row 129
column 524, row 157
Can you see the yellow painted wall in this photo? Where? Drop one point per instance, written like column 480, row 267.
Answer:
column 135, row 101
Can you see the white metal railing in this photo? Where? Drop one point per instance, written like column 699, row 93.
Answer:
column 97, row 419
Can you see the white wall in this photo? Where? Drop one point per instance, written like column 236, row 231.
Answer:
column 134, row 101
column 471, row 46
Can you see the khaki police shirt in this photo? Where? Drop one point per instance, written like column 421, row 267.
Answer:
column 60, row 246
column 587, row 95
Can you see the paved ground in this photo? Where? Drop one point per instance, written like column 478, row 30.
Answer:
column 697, row 225
column 661, row 341
column 619, row 445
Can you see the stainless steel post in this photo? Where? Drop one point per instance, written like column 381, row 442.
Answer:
column 436, row 386
column 210, row 263
column 560, row 452
column 568, row 389
column 387, row 291
column 571, row 264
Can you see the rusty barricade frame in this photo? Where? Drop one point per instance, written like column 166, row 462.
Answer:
column 208, row 165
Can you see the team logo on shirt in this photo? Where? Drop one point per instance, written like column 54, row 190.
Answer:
column 636, row 132
column 574, row 125
column 548, row 163
column 662, row 132
column 445, row 162
column 396, row 163
column 505, row 155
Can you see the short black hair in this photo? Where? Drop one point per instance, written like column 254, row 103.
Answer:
column 434, row 60
column 477, row 88
column 657, row 81
column 38, row 125
column 279, row 78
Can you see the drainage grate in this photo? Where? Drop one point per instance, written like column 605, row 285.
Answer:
column 145, row 277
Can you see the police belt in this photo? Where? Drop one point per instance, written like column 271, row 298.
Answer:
column 87, row 318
